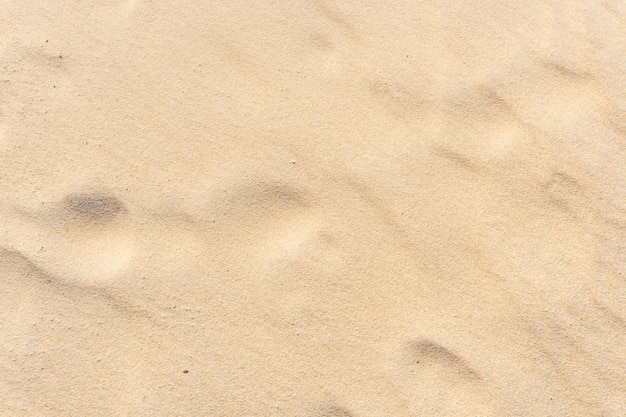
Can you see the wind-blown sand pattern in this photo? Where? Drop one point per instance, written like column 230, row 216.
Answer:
column 313, row 208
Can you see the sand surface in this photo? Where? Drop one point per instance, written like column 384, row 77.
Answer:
column 313, row 208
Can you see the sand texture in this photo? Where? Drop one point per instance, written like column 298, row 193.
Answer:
column 313, row 208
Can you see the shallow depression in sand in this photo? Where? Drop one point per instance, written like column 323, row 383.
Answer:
column 320, row 208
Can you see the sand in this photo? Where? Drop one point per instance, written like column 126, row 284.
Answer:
column 313, row 208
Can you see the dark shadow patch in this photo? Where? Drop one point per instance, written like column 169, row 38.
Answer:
column 20, row 56
column 613, row 222
column 488, row 97
column 333, row 411
column 254, row 203
column 481, row 104
column 266, row 196
column 426, row 352
column 456, row 158
column 615, row 121
column 561, row 71
column 610, row 316
column 38, row 277
column 17, row 261
column 92, row 207
column 562, row 191
column 281, row 192
column 49, row 60
column 330, row 11
column 321, row 42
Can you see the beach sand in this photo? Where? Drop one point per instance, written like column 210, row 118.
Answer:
column 313, row 208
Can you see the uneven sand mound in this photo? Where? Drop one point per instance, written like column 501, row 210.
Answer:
column 313, row 208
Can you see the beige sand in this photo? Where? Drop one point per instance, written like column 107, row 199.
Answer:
column 313, row 208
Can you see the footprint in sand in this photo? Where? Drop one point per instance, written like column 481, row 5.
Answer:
column 85, row 239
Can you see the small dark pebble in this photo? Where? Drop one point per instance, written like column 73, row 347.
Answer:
column 185, row 371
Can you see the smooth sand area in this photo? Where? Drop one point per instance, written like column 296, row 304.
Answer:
column 313, row 208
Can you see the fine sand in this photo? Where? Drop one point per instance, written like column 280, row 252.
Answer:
column 313, row 208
